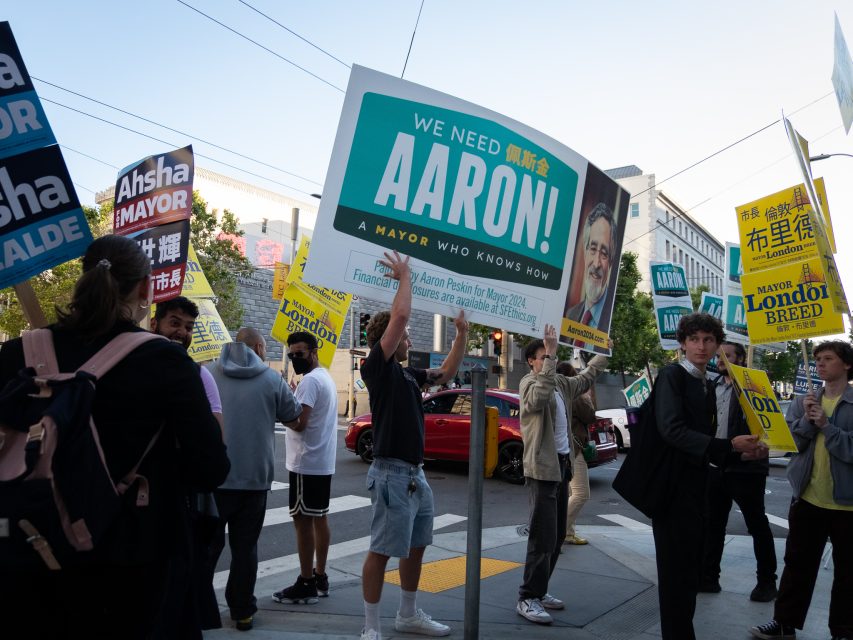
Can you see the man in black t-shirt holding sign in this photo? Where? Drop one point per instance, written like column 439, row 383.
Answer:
column 401, row 524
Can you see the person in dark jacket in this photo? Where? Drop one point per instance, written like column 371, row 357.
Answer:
column 742, row 482
column 685, row 416
column 117, row 592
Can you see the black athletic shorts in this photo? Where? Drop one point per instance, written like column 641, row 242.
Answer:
column 309, row 495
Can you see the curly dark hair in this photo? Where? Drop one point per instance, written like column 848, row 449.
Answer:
column 690, row 324
column 376, row 327
column 840, row 348
column 566, row 369
column 532, row 347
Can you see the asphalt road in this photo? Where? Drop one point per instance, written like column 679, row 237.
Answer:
column 503, row 504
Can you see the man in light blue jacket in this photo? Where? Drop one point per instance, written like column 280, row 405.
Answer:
column 253, row 398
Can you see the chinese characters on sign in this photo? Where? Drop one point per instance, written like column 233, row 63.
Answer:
column 153, row 205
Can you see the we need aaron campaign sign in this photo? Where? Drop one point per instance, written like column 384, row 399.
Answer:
column 486, row 207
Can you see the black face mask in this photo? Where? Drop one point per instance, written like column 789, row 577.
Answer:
column 301, row 365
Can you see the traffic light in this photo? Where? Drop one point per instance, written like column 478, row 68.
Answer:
column 497, row 341
column 363, row 320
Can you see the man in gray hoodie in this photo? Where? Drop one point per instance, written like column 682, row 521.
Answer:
column 253, row 398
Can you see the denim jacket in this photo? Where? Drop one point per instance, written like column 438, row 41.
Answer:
column 838, row 436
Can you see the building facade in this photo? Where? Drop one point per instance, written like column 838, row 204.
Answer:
column 659, row 229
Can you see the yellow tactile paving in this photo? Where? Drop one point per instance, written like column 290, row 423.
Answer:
column 442, row 575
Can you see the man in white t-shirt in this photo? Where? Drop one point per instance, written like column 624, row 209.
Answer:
column 311, row 444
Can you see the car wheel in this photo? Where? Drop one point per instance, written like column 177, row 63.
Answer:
column 619, row 444
column 364, row 446
column 510, row 462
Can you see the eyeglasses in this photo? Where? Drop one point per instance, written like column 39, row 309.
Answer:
column 602, row 252
column 297, row 355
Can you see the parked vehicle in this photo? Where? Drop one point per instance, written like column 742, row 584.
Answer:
column 620, row 424
column 447, row 425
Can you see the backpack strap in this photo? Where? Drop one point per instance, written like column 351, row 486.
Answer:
column 39, row 352
column 115, row 351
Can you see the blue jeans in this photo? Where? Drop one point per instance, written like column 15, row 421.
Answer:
column 402, row 507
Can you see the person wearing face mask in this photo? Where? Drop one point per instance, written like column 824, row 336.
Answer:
column 253, row 398
column 311, row 444
column 156, row 388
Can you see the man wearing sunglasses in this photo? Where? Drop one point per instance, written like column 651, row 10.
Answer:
column 310, row 445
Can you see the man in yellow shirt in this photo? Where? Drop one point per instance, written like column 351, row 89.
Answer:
column 821, row 475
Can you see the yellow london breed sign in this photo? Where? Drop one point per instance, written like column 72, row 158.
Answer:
column 789, row 303
column 195, row 282
column 762, row 411
column 300, row 311
column 307, row 307
column 777, row 230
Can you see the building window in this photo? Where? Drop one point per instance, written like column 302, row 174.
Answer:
column 264, row 225
column 635, row 210
column 667, row 250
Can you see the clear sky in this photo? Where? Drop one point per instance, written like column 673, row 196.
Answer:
column 658, row 84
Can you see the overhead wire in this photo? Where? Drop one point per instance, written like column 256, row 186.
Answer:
column 258, row 44
column 677, row 215
column 171, row 144
column 173, row 130
column 292, row 32
column 412, row 41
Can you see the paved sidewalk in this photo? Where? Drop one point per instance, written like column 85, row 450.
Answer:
column 608, row 586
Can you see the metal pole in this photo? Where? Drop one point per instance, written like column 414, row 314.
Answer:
column 475, row 502
column 294, row 231
column 353, row 345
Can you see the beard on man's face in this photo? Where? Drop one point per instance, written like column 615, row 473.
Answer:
column 595, row 284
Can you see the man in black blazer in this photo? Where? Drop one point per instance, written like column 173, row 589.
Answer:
column 742, row 481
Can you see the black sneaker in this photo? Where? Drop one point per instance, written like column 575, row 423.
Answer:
column 245, row 624
column 764, row 592
column 302, row 592
column 322, row 584
column 773, row 631
column 710, row 585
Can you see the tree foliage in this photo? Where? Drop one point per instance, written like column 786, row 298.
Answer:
column 781, row 367
column 633, row 328
column 696, row 295
column 219, row 257
column 53, row 287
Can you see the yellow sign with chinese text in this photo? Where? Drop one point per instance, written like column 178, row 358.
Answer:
column 301, row 311
column 762, row 411
column 209, row 332
column 827, row 261
column 195, row 282
column 776, row 230
column 279, row 282
column 789, row 303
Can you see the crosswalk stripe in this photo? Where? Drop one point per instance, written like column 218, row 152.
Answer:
column 624, row 521
column 276, row 485
column 283, row 564
column 336, row 505
column 782, row 522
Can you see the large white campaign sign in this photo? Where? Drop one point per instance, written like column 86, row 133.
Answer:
column 486, row 207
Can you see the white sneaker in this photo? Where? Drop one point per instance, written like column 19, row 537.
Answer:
column 531, row 608
column 370, row 634
column 421, row 623
column 550, row 602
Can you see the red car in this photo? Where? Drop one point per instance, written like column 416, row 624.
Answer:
column 447, row 423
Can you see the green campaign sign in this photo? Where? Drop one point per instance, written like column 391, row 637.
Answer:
column 637, row 392
column 451, row 188
column 487, row 208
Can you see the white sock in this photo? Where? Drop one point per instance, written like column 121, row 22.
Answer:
column 371, row 616
column 407, row 603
